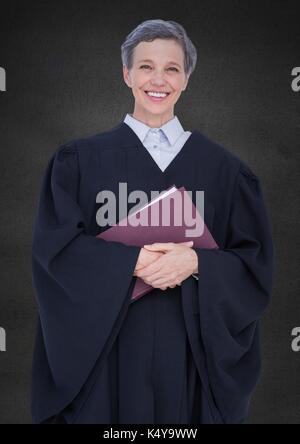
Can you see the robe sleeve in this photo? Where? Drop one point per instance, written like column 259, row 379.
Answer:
column 83, row 287
column 234, row 288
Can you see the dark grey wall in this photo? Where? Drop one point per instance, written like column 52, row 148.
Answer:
column 64, row 81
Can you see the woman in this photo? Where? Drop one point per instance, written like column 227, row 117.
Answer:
column 188, row 351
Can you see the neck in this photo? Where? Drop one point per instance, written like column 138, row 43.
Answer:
column 152, row 120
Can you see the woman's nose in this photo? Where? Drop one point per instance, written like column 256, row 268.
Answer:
column 158, row 77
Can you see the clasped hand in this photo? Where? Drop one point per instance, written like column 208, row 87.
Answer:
column 164, row 265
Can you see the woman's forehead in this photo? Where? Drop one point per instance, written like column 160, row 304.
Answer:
column 170, row 50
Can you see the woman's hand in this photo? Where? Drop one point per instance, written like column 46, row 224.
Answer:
column 145, row 258
column 177, row 263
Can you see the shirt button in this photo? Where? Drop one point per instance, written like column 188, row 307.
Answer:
column 154, row 146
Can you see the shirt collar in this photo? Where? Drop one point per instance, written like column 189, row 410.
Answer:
column 172, row 129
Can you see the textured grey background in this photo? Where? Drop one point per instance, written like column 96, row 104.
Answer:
column 64, row 80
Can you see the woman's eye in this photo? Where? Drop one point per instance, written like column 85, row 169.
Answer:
column 172, row 68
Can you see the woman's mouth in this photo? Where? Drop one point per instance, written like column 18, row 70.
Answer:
column 156, row 96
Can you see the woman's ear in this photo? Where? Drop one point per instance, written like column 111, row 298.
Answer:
column 126, row 76
column 186, row 82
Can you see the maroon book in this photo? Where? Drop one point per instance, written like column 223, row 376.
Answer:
column 171, row 217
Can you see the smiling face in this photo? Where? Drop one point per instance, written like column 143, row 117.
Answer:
column 158, row 66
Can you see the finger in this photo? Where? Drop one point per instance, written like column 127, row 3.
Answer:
column 161, row 284
column 167, row 246
column 161, row 280
column 150, row 269
column 160, row 246
column 155, row 277
column 187, row 243
column 174, row 285
column 135, row 273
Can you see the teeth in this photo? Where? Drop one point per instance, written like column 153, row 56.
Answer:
column 155, row 94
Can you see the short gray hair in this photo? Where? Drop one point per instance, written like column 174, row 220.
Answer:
column 150, row 30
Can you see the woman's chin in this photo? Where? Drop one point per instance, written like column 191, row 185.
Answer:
column 157, row 109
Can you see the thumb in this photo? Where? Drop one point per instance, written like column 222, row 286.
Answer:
column 187, row 243
column 166, row 246
column 160, row 246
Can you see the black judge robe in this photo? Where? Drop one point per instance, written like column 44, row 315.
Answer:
column 190, row 354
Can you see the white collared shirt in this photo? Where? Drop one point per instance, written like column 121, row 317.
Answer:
column 163, row 143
